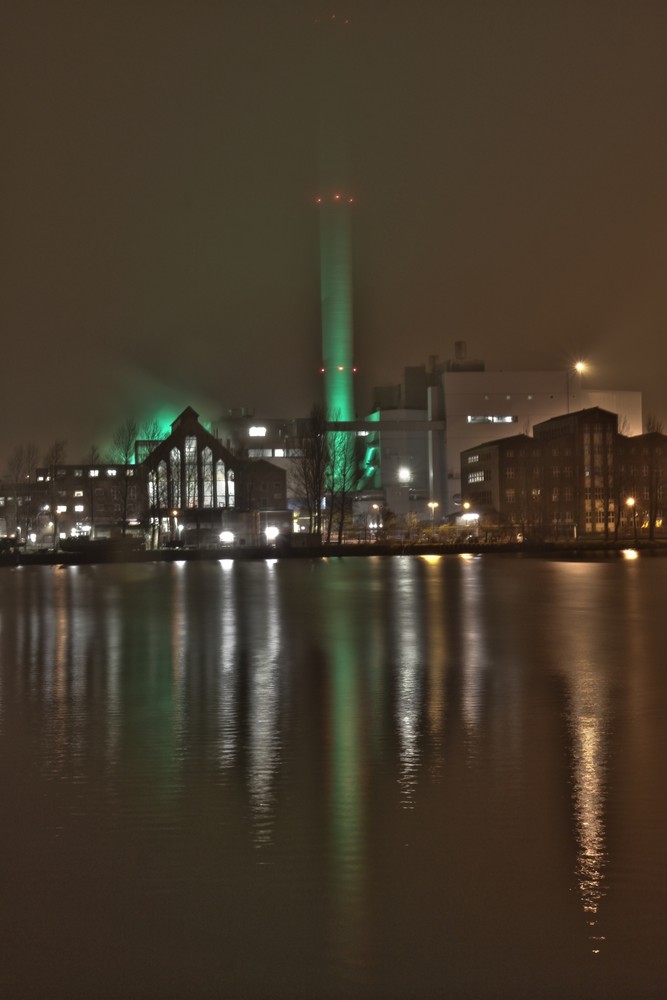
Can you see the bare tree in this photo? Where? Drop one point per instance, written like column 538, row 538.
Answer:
column 54, row 457
column 149, row 437
column 310, row 464
column 655, row 465
column 341, row 478
column 16, row 471
column 122, row 453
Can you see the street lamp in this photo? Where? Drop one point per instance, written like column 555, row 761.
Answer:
column 376, row 524
column 433, row 504
column 578, row 368
column 470, row 519
column 631, row 504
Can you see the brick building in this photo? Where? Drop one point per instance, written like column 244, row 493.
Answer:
column 573, row 477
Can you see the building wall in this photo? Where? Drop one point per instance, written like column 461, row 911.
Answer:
column 76, row 500
column 572, row 478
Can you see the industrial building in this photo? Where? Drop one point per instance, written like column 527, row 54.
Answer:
column 419, row 429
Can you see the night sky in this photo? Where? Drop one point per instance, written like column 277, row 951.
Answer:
column 159, row 168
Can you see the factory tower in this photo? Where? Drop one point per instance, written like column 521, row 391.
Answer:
column 334, row 204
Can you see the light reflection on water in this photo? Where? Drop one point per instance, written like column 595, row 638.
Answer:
column 589, row 722
column 390, row 775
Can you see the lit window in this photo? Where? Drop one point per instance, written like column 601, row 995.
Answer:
column 257, row 432
column 78, row 508
column 473, row 458
column 61, row 509
column 78, row 493
column 404, row 475
column 93, row 472
column 111, row 472
column 279, row 453
column 476, row 477
column 491, row 420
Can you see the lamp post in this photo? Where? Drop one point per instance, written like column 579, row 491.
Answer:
column 578, row 368
column 376, row 510
column 433, row 504
column 631, row 504
column 471, row 519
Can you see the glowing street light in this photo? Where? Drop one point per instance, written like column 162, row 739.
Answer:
column 374, row 519
column 578, row 368
column 469, row 518
column 433, row 504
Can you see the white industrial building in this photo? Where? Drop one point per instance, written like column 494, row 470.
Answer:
column 419, row 428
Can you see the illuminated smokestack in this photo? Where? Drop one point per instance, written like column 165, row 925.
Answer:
column 336, row 304
column 335, row 224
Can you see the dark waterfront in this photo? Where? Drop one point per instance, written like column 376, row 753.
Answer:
column 375, row 778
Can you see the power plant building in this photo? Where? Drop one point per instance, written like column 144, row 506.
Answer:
column 458, row 405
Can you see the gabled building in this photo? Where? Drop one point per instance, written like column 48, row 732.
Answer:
column 197, row 488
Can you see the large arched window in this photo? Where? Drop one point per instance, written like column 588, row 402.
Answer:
column 161, row 497
column 231, row 488
column 220, row 488
column 207, row 476
column 175, row 472
column 191, row 477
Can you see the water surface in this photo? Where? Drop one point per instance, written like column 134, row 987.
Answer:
column 375, row 778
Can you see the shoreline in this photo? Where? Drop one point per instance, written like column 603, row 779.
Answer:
column 118, row 553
